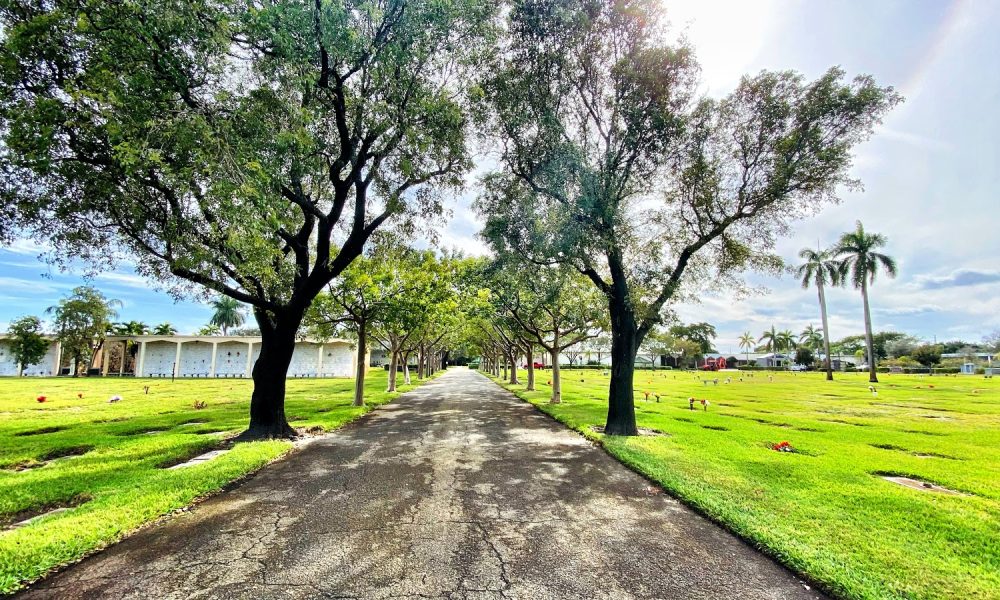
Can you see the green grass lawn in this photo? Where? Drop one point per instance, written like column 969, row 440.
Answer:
column 823, row 510
column 107, row 460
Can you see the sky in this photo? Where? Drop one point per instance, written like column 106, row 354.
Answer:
column 931, row 172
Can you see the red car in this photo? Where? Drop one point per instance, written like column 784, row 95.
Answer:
column 535, row 365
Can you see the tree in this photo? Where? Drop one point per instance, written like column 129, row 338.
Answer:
column 858, row 251
column 360, row 296
column 27, row 345
column 689, row 350
column 804, row 356
column 903, row 346
column 209, row 330
column 928, row 354
column 660, row 343
column 992, row 340
column 811, row 338
column 701, row 333
column 747, row 342
column 131, row 328
column 227, row 312
column 164, row 329
column 771, row 340
column 607, row 162
column 249, row 149
column 820, row 269
column 81, row 321
column 786, row 340
column 556, row 307
column 405, row 316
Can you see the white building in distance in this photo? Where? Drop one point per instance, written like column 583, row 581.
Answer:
column 194, row 356
column 48, row 366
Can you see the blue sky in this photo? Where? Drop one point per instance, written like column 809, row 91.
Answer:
column 931, row 173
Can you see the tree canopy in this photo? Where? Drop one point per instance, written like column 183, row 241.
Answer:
column 250, row 149
column 611, row 163
column 81, row 320
column 27, row 344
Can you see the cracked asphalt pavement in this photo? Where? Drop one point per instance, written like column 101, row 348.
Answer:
column 456, row 490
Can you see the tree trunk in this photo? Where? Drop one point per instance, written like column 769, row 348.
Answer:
column 624, row 346
column 826, row 331
column 267, row 404
column 361, row 365
column 531, row 369
column 393, row 365
column 556, row 384
column 872, row 377
column 421, row 362
column 406, row 368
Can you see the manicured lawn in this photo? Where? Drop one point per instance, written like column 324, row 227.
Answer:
column 824, row 511
column 112, row 471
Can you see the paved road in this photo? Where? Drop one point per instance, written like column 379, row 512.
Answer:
column 456, row 490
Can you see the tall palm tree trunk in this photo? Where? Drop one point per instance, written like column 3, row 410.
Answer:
column 826, row 331
column 869, row 343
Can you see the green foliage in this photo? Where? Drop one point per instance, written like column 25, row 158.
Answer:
column 860, row 260
column 609, row 163
column 819, row 269
column 811, row 338
column 227, row 312
column 27, row 345
column 81, row 321
column 927, row 355
column 804, row 356
column 700, row 333
column 130, row 328
column 164, row 329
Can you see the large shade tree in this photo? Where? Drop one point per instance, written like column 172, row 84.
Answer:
column 247, row 148
column 27, row 344
column 81, row 320
column 861, row 261
column 609, row 162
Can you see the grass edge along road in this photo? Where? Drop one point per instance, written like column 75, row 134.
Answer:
column 105, row 461
column 823, row 511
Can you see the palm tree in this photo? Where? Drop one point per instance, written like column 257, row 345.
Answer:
column 746, row 343
column 786, row 340
column 811, row 338
column 770, row 339
column 165, row 329
column 821, row 270
column 131, row 328
column 857, row 251
column 228, row 313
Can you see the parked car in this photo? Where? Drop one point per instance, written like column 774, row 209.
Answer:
column 798, row 368
column 534, row 365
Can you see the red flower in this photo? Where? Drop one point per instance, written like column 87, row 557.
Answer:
column 40, row 398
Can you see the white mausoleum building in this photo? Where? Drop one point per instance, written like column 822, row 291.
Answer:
column 224, row 356
column 193, row 356
column 48, row 366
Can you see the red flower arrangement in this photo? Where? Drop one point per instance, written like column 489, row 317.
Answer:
column 782, row 447
column 40, row 398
